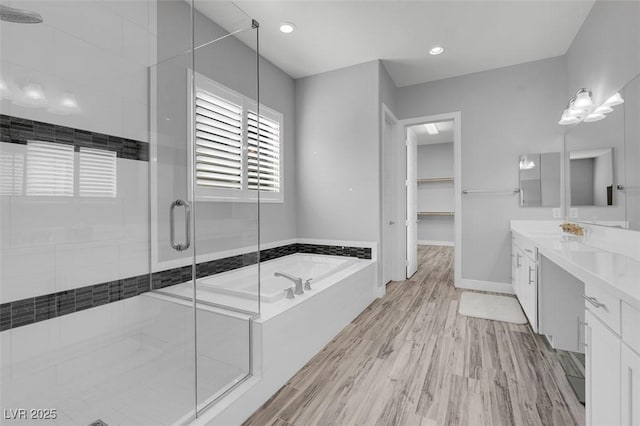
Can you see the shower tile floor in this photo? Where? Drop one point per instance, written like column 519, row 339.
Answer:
column 141, row 377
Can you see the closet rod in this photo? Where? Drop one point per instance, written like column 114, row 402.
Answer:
column 490, row 191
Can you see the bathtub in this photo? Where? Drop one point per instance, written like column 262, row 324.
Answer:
column 238, row 289
column 243, row 283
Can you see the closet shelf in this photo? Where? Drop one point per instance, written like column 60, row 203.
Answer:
column 439, row 179
column 435, row 213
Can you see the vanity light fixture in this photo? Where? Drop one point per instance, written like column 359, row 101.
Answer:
column 583, row 100
column 580, row 108
column 603, row 109
column 614, row 100
column 593, row 117
column 526, row 164
column 432, row 129
column 436, row 50
column 567, row 118
column 287, row 27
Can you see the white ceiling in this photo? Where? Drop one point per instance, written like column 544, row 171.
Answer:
column 477, row 35
column 445, row 133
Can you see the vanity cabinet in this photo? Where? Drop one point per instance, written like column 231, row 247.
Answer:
column 630, row 386
column 602, row 356
column 612, row 360
column 524, row 278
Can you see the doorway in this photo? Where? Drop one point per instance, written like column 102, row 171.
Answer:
column 433, row 186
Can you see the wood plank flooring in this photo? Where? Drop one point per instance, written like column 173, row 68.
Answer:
column 411, row 359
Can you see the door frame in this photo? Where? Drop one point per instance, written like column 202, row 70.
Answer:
column 457, row 180
column 398, row 163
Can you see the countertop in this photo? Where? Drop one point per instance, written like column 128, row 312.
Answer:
column 618, row 273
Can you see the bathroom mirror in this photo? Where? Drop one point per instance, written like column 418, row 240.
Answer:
column 539, row 179
column 595, row 164
column 591, row 177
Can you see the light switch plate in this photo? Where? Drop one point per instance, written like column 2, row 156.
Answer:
column 557, row 214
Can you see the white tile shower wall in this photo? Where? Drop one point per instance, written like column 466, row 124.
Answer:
column 96, row 51
column 53, row 244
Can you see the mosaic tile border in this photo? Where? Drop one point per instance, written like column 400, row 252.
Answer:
column 40, row 308
column 20, row 130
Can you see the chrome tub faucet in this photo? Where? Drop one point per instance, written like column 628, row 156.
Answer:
column 296, row 280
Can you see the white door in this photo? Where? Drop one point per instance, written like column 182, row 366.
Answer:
column 389, row 224
column 603, row 374
column 412, row 203
column 630, row 373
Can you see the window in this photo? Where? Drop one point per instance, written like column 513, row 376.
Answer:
column 237, row 154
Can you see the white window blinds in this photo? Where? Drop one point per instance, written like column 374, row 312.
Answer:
column 231, row 159
column 218, row 123
column 263, row 153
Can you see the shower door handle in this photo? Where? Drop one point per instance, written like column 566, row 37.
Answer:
column 187, row 225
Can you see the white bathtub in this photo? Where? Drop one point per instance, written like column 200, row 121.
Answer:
column 239, row 288
column 242, row 283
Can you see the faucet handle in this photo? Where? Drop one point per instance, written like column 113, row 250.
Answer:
column 307, row 284
column 290, row 293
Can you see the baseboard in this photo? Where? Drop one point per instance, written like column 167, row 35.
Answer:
column 492, row 286
column 435, row 243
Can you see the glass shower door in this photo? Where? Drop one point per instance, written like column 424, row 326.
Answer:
column 205, row 223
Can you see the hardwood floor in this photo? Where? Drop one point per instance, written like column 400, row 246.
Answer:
column 411, row 359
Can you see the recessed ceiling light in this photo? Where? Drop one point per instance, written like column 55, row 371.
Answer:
column 432, row 129
column 436, row 50
column 287, row 27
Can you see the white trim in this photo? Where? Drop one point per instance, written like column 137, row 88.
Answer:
column 492, row 286
column 457, row 181
column 398, row 269
column 435, row 243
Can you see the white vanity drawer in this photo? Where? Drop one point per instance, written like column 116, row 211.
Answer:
column 603, row 305
column 631, row 327
column 527, row 247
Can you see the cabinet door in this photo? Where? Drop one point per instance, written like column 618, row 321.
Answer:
column 630, row 387
column 531, row 292
column 518, row 277
column 603, row 374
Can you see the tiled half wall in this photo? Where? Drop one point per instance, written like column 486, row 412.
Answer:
column 40, row 308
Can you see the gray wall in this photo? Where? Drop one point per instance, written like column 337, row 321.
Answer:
column 219, row 225
column 605, row 54
column 505, row 112
column 338, row 141
column 388, row 89
column 581, row 171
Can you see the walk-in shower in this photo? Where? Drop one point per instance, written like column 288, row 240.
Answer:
column 129, row 163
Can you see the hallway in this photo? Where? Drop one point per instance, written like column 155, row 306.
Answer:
column 411, row 359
